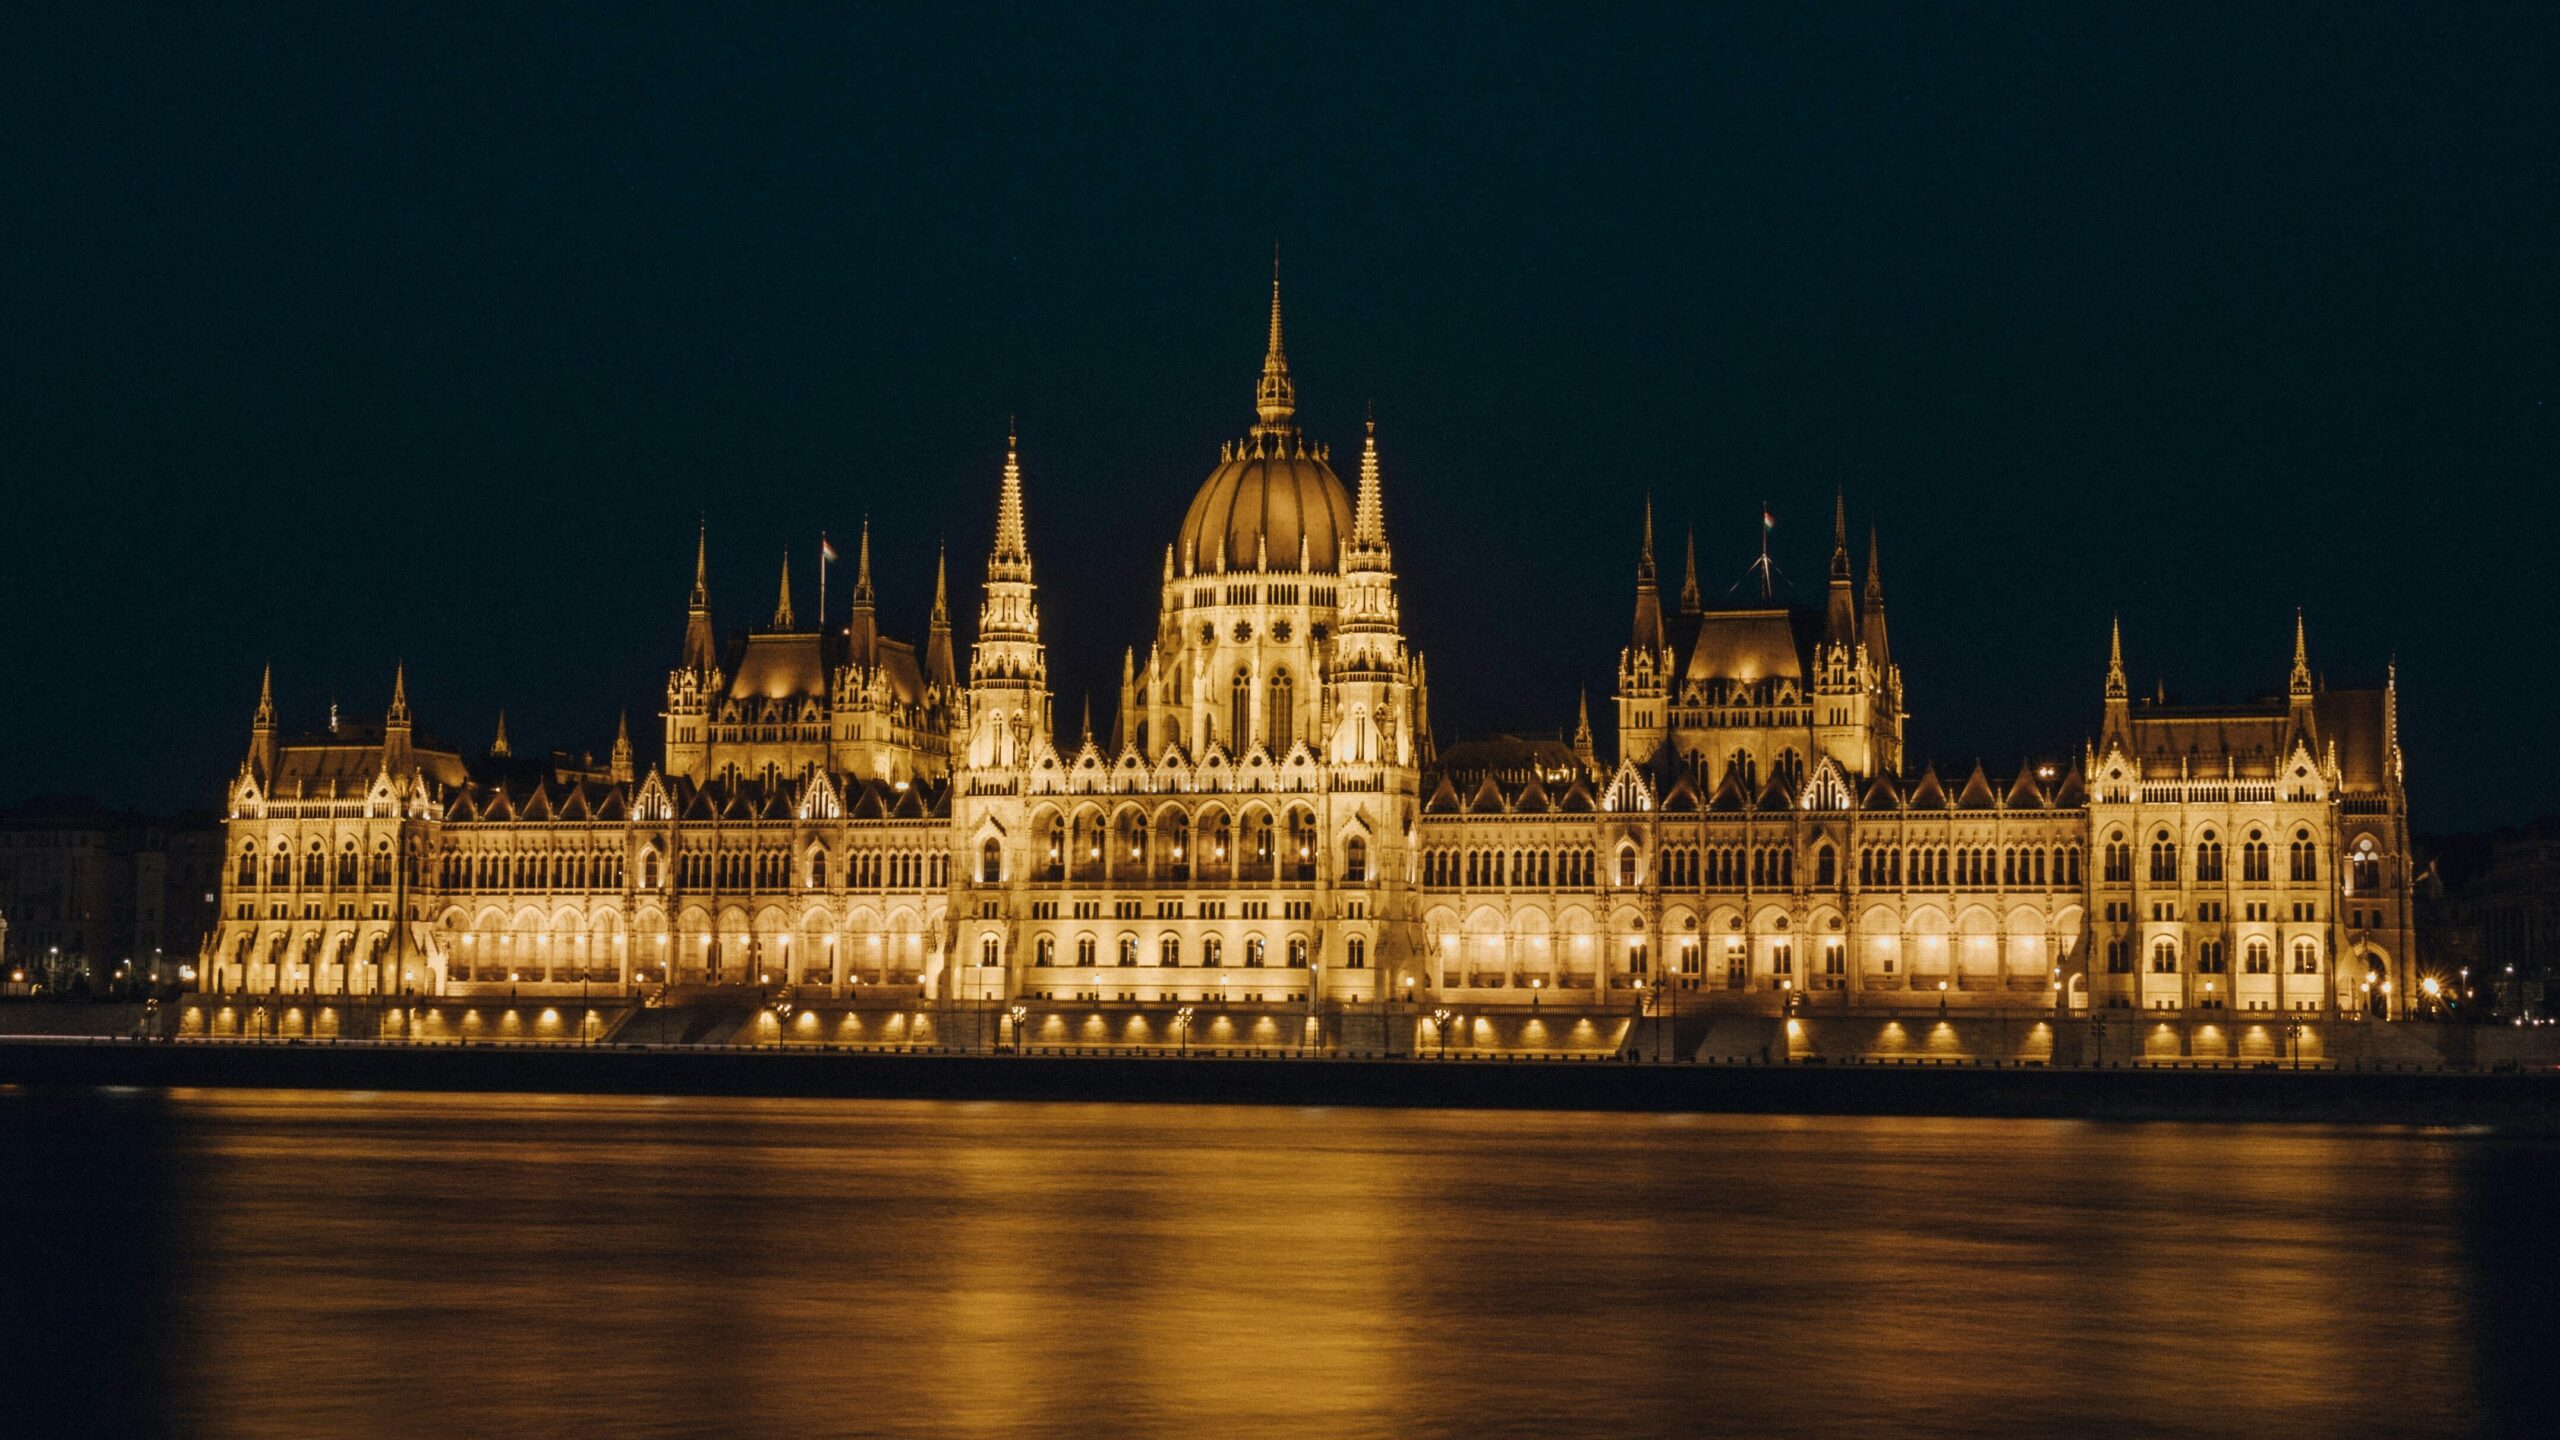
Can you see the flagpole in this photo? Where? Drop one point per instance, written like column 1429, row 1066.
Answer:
column 822, row 582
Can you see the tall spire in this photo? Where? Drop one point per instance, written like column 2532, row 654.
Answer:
column 2116, row 689
column 498, row 748
column 1690, row 601
column 399, row 696
column 1369, row 515
column 620, row 772
column 1013, row 545
column 266, row 714
column 1582, row 744
column 1275, row 399
column 782, row 606
column 862, row 631
column 1879, row 654
column 2299, row 683
column 1840, row 626
column 1648, row 626
column 938, row 666
column 701, row 653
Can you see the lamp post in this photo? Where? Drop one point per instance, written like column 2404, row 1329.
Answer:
column 1182, row 1032
column 1440, row 1024
column 1018, row 1014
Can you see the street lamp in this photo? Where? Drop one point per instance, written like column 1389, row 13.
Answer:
column 1182, row 1022
column 1018, row 1013
column 1440, row 1023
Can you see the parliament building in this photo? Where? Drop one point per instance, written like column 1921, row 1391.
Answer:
column 844, row 817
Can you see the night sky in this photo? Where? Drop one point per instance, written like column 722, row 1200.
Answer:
column 336, row 340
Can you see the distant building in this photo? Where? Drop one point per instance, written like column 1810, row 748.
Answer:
column 2489, row 914
column 85, row 889
column 1267, row 820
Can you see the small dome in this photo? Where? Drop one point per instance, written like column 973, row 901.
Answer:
column 1269, row 492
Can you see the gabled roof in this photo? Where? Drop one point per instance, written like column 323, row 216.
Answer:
column 1881, row 794
column 2024, row 793
column 1977, row 793
column 1928, row 794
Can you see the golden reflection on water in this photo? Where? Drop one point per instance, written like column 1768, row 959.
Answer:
column 349, row 1265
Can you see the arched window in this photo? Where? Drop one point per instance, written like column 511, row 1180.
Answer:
column 1355, row 953
column 2164, row 859
column 1282, row 728
column 1169, row 951
column 1084, row 951
column 2119, row 860
column 990, row 952
column 2306, row 957
column 1044, row 952
column 2256, row 959
column 1297, row 952
column 1212, row 951
column 1128, row 949
column 1626, row 865
column 990, row 862
column 381, row 871
column 248, row 864
column 1240, row 713
column 347, row 865
column 1825, row 864
column 2253, row 860
column 1355, row 860
column 1253, row 951
column 2164, row 958
column 315, row 867
column 648, row 869
column 1745, row 769
column 2364, row 868
column 2209, row 859
column 2306, row 856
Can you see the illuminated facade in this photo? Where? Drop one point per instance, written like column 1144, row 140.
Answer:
column 846, row 815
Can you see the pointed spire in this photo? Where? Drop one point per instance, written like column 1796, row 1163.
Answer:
column 1013, row 545
column 1648, row 635
column 1276, row 397
column 266, row 714
column 2299, row 683
column 1087, row 730
column 1368, row 515
column 782, row 606
column 701, row 652
column 620, row 771
column 1879, row 653
column 2116, row 689
column 862, row 629
column 498, row 744
column 1582, row 744
column 1125, row 731
column 1841, row 619
column 399, row 696
column 938, row 667
column 1691, row 603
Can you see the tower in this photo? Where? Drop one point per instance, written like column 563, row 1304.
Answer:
column 1644, row 667
column 1008, row 667
column 694, row 685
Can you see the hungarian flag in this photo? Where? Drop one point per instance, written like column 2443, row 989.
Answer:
column 826, row 550
column 1768, row 522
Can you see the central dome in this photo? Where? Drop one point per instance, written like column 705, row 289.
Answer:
column 1272, row 491
column 1264, row 500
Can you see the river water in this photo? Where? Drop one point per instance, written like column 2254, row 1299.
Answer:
column 282, row 1265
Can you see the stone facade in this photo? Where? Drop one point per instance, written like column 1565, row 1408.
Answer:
column 1268, row 823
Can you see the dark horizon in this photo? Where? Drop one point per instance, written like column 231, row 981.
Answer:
column 374, row 340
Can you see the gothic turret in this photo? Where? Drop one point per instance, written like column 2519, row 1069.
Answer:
column 621, row 771
column 862, row 632
column 701, row 652
column 782, row 619
column 1644, row 667
column 1008, row 667
column 262, row 727
column 1879, row 654
column 939, row 670
column 1840, row 616
column 397, row 735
